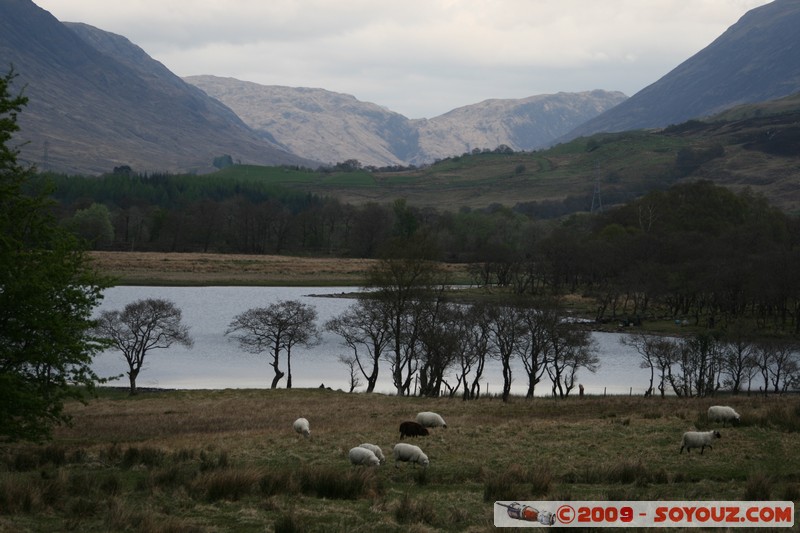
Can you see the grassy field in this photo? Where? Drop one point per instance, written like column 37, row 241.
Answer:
column 152, row 268
column 218, row 461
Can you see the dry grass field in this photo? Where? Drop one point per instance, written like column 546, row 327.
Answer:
column 152, row 268
column 228, row 460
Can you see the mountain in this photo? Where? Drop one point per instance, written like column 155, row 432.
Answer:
column 334, row 127
column 755, row 60
column 97, row 101
column 524, row 124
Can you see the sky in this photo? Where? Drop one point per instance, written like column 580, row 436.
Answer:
column 419, row 58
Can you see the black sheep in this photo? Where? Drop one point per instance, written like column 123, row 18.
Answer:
column 412, row 429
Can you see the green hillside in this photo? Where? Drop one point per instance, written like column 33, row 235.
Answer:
column 756, row 146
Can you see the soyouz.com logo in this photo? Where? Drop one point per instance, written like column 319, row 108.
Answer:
column 644, row 514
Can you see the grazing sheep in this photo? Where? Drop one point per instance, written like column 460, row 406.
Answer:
column 724, row 414
column 376, row 450
column 412, row 429
column 363, row 456
column 430, row 420
column 698, row 439
column 301, row 426
column 408, row 453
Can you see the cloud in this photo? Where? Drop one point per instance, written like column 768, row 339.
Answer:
column 419, row 57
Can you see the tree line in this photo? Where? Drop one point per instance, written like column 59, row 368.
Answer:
column 708, row 362
column 405, row 326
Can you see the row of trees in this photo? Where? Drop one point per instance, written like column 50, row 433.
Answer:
column 427, row 341
column 434, row 347
column 705, row 363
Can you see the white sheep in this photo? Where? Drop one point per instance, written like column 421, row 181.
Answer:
column 363, row 456
column 430, row 420
column 724, row 414
column 301, row 426
column 408, row 453
column 376, row 450
column 698, row 439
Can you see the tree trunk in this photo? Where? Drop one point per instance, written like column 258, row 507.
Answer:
column 506, row 379
column 276, row 379
column 132, row 379
column 288, row 368
column 278, row 374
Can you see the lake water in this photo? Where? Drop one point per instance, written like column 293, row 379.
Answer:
column 216, row 361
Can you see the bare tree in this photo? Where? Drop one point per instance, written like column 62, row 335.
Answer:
column 570, row 350
column 506, row 332
column 439, row 344
column 783, row 366
column 401, row 282
column 657, row 355
column 363, row 328
column 275, row 328
column 471, row 334
column 350, row 362
column 534, row 346
column 142, row 326
column 738, row 357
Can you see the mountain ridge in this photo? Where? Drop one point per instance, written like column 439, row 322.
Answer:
column 91, row 107
column 333, row 127
column 98, row 101
column 754, row 60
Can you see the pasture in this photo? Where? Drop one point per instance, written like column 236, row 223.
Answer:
column 229, row 460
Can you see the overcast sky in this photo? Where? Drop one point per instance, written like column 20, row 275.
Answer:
column 420, row 58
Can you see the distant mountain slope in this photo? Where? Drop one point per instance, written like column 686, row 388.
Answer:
column 334, row 127
column 525, row 124
column 751, row 147
column 756, row 59
column 97, row 101
column 318, row 124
